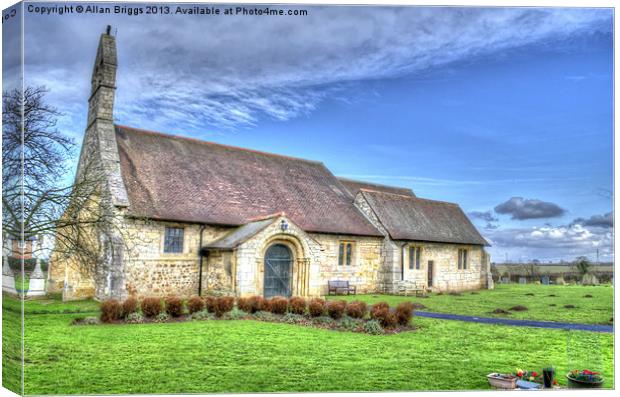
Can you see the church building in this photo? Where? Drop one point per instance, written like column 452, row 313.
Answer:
column 196, row 217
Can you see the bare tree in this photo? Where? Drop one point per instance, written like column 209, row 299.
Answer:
column 34, row 157
column 38, row 199
column 530, row 270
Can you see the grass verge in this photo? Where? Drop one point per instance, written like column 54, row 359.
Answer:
column 250, row 356
column 543, row 302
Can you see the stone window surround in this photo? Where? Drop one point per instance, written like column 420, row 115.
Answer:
column 407, row 248
column 354, row 253
column 162, row 241
column 466, row 265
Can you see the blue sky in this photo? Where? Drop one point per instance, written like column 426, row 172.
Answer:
column 507, row 112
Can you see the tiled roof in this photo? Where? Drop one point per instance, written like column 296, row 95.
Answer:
column 175, row 178
column 354, row 186
column 416, row 219
column 239, row 235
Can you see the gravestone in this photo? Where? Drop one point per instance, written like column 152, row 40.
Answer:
column 8, row 279
column 522, row 280
column 560, row 280
column 589, row 279
column 37, row 281
column 505, row 280
column 544, row 280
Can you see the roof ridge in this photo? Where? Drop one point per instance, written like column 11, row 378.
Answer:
column 371, row 183
column 409, row 197
column 265, row 217
column 203, row 142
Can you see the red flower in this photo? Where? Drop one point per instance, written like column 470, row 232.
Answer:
column 555, row 381
column 520, row 373
column 534, row 373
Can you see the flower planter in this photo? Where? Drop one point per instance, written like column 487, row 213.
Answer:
column 502, row 381
column 584, row 384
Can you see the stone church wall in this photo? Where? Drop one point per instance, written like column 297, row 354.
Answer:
column 321, row 254
column 364, row 272
column 389, row 271
column 446, row 274
column 250, row 267
column 150, row 271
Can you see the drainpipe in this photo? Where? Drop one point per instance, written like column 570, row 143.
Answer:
column 200, row 254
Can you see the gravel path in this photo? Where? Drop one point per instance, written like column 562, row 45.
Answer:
column 518, row 323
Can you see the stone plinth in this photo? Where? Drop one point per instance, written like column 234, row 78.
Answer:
column 8, row 279
column 37, row 281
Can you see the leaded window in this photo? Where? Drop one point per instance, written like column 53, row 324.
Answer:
column 345, row 253
column 462, row 261
column 173, row 240
column 414, row 258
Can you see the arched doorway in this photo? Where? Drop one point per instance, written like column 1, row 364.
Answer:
column 278, row 269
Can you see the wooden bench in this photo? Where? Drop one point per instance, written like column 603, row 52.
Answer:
column 340, row 286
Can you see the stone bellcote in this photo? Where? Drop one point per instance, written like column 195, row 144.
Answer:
column 99, row 142
column 103, row 83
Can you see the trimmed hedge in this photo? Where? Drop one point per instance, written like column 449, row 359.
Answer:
column 224, row 304
column 211, row 304
column 111, row 310
column 195, row 304
column 174, row 306
column 130, row 305
column 258, row 304
column 404, row 313
column 151, row 306
column 382, row 313
column 357, row 309
column 278, row 305
column 298, row 305
column 244, row 304
column 316, row 307
column 335, row 309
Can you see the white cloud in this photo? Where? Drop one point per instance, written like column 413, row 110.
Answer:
column 551, row 242
column 231, row 71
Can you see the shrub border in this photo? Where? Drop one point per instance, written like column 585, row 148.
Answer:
column 342, row 324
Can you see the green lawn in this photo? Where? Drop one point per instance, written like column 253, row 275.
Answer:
column 11, row 348
column 250, row 356
column 595, row 310
column 53, row 305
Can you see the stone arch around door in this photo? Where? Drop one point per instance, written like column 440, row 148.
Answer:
column 276, row 273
